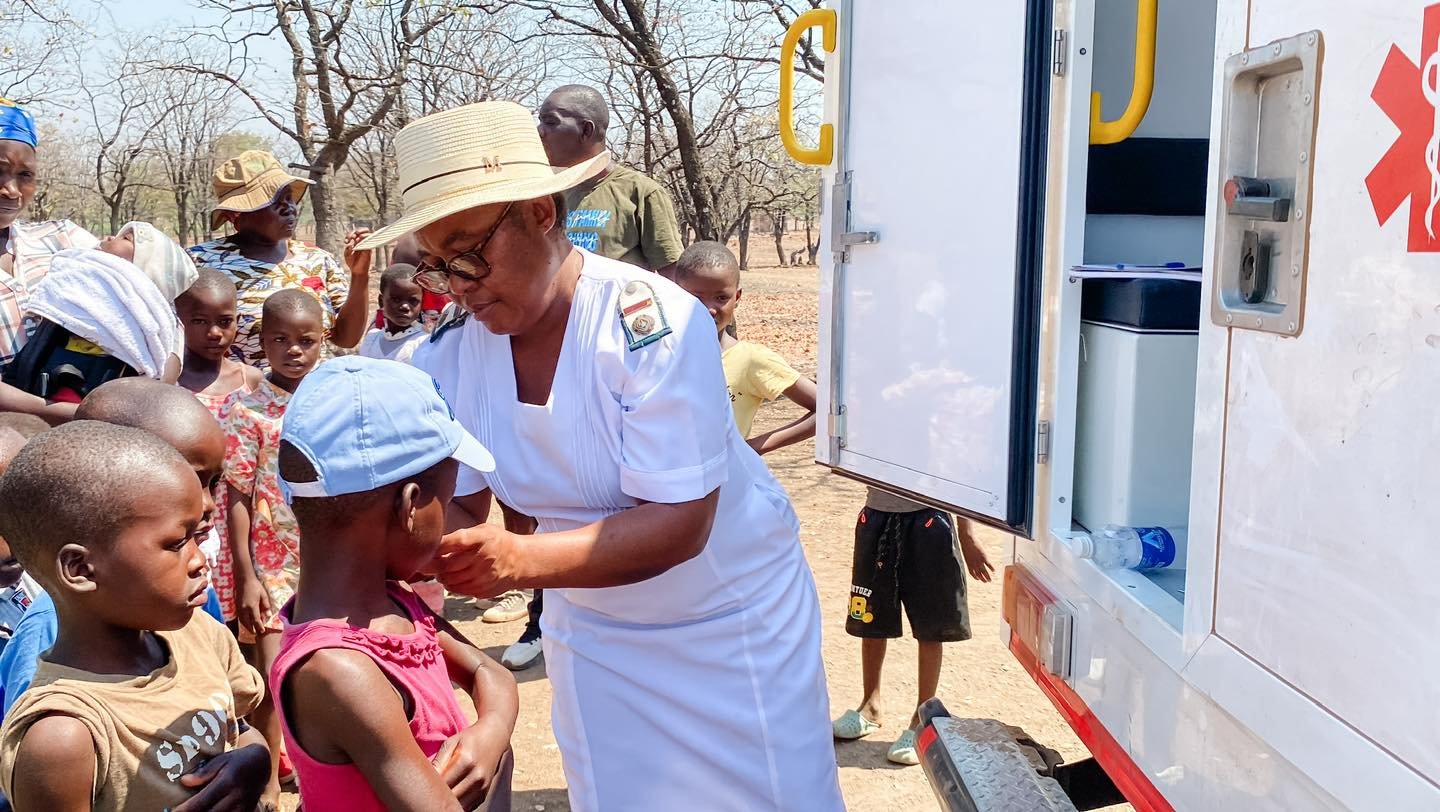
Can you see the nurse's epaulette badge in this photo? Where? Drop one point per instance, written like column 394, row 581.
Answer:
column 460, row 317
column 641, row 315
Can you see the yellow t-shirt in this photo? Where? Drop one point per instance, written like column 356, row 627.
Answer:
column 754, row 374
column 148, row 731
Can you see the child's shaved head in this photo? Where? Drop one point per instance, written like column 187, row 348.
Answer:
column 169, row 412
column 291, row 303
column 401, row 272
column 707, row 258
column 79, row 483
column 27, row 425
column 210, row 286
column 11, row 441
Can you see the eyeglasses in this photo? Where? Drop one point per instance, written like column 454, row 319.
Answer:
column 469, row 265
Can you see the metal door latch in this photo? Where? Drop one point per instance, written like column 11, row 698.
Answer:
column 1251, row 197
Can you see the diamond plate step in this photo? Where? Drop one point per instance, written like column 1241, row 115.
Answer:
column 998, row 774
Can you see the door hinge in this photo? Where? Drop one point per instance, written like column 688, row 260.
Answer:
column 1057, row 53
column 836, row 427
column 1042, row 442
column 842, row 238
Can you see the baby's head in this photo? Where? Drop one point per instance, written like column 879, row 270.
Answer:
column 711, row 274
column 207, row 315
column 104, row 517
column 173, row 415
column 387, row 485
column 154, row 253
column 399, row 296
column 292, row 330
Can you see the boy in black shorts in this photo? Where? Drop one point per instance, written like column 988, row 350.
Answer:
column 905, row 553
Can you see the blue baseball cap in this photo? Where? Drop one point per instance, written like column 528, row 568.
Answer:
column 365, row 423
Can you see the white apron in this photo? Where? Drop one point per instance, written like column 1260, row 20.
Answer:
column 702, row 688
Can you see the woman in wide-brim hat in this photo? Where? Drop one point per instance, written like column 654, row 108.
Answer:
column 681, row 626
column 261, row 202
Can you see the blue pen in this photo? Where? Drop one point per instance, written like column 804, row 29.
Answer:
column 1168, row 266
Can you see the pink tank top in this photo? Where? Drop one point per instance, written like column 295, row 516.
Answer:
column 413, row 662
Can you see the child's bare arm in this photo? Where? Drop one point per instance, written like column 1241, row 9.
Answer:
column 975, row 559
column 252, row 605
column 13, row 399
column 234, row 779
column 468, row 761
column 351, row 712
column 55, row 751
column 802, row 393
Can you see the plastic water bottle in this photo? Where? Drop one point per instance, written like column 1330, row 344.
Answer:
column 1136, row 548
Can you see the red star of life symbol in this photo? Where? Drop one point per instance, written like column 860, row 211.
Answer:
column 1410, row 96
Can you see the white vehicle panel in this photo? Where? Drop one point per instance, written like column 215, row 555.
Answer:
column 1195, row 754
column 1327, row 556
column 940, row 283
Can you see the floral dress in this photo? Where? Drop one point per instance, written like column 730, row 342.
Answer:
column 307, row 268
column 252, row 466
column 222, row 573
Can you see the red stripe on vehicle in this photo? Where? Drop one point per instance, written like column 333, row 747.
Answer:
column 927, row 738
column 1132, row 781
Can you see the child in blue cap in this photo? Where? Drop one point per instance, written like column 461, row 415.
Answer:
column 368, row 459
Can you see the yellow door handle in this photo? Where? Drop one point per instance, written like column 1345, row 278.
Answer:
column 1143, row 87
column 825, row 152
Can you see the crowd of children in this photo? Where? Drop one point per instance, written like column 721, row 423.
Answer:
column 179, row 477
column 157, row 499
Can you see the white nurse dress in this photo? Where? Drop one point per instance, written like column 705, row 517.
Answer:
column 702, row 688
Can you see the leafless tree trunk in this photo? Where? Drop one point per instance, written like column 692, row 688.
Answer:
column 777, row 230
column 745, row 240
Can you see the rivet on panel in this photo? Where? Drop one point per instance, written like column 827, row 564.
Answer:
column 1292, row 326
column 1310, row 40
column 1244, row 59
column 1304, row 156
column 1294, row 270
column 1299, row 214
column 1229, row 319
column 1308, row 98
column 1275, row 49
column 1259, row 322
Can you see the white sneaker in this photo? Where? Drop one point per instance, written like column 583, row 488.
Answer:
column 521, row 654
column 511, row 606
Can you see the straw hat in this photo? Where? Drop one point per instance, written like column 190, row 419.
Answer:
column 249, row 182
column 473, row 156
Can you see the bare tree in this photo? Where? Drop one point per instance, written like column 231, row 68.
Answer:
column 183, row 143
column 784, row 12
column 341, row 86
column 33, row 64
column 123, row 114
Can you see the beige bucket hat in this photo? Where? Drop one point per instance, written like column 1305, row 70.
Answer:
column 471, row 156
column 249, row 182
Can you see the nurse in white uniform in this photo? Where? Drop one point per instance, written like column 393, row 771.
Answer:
column 681, row 627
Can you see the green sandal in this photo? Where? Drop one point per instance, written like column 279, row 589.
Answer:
column 852, row 725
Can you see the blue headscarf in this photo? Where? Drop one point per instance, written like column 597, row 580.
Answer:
column 16, row 124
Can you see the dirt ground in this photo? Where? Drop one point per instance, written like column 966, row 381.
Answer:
column 979, row 678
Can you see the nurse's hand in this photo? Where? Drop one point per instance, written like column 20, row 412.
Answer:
column 481, row 561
